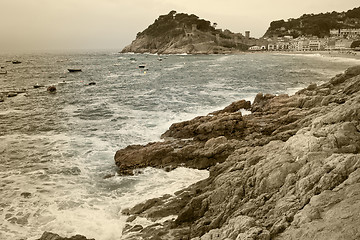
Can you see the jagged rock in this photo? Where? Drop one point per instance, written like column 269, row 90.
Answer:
column 25, row 194
column 51, row 89
column 171, row 154
column 54, row 236
column 234, row 107
column 206, row 127
column 349, row 73
column 289, row 170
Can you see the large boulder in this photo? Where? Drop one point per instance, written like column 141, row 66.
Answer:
column 54, row 236
column 171, row 154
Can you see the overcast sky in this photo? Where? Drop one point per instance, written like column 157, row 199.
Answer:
column 27, row 25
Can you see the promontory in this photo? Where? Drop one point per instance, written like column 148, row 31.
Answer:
column 177, row 33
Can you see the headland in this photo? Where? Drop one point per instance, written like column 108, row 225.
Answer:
column 178, row 33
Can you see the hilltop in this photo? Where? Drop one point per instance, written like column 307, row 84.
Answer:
column 183, row 33
column 315, row 24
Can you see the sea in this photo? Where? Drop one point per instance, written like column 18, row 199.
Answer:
column 57, row 169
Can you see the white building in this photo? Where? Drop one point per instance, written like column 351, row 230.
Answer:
column 345, row 32
column 300, row 44
column 280, row 45
column 350, row 32
column 315, row 44
column 308, row 44
column 334, row 32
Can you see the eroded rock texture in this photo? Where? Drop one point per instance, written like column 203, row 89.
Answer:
column 289, row 170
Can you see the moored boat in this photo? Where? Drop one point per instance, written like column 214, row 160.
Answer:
column 74, row 69
column 38, row 86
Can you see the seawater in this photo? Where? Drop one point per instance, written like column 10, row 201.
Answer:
column 56, row 150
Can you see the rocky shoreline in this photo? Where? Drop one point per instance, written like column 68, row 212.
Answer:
column 288, row 170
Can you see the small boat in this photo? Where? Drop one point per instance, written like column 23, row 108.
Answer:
column 38, row 86
column 16, row 62
column 12, row 94
column 3, row 72
column 74, row 69
column 141, row 66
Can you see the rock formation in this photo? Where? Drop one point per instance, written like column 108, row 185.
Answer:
column 177, row 33
column 53, row 236
column 289, row 170
column 51, row 89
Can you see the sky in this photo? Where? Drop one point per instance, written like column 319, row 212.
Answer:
column 56, row 25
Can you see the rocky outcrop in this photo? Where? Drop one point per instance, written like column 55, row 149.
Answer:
column 289, row 170
column 177, row 33
column 54, row 236
column 199, row 43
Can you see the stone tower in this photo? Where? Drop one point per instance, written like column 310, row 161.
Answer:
column 247, row 35
column 194, row 27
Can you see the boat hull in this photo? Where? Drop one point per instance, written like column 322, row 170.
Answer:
column 74, row 70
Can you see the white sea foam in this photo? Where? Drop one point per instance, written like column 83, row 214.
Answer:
column 175, row 67
column 99, row 216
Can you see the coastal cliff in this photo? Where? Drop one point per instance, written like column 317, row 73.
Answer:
column 288, row 170
column 177, row 33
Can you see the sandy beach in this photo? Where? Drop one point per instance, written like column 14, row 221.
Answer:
column 340, row 54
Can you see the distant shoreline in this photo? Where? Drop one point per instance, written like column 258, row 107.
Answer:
column 339, row 54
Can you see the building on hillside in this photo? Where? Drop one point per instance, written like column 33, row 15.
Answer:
column 194, row 27
column 189, row 34
column 345, row 32
column 334, row 32
column 192, row 32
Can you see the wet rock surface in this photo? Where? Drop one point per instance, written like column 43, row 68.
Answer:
column 289, row 170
